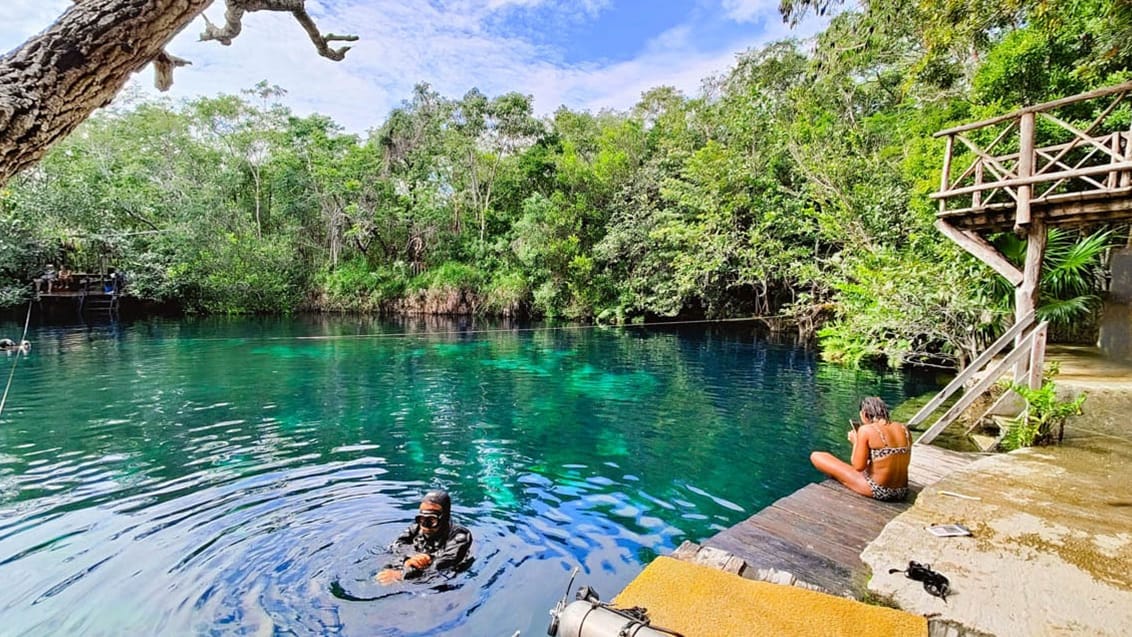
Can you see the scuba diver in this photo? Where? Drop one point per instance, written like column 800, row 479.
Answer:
column 438, row 543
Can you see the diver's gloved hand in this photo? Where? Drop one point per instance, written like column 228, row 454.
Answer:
column 390, row 575
column 420, row 561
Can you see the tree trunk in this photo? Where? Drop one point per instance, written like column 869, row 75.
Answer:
column 57, row 79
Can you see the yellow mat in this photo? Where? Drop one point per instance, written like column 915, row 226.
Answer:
column 699, row 601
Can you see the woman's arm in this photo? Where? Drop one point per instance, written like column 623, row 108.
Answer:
column 860, row 457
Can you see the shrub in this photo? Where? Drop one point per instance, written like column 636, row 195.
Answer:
column 1044, row 414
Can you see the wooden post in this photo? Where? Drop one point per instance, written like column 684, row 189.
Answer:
column 982, row 250
column 1038, row 356
column 1126, row 175
column 977, row 196
column 945, row 177
column 1025, row 168
column 1114, row 177
column 1026, row 295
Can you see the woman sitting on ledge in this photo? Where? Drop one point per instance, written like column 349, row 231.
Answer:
column 882, row 450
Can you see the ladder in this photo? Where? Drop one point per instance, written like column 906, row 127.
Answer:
column 99, row 305
column 1024, row 362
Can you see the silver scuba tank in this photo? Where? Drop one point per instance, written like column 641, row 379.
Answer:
column 593, row 619
column 589, row 617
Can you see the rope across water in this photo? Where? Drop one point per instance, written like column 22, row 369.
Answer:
column 15, row 361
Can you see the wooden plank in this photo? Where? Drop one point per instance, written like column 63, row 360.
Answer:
column 982, row 249
column 931, row 464
column 816, row 510
column 817, row 533
column 1045, row 106
column 756, row 554
column 762, row 549
column 1025, row 169
column 1020, row 182
column 1087, row 134
column 1037, row 357
column 890, row 509
column 816, row 538
column 945, row 180
column 793, row 559
column 977, row 364
column 1126, row 176
column 845, row 530
column 686, row 551
column 969, row 397
column 840, row 503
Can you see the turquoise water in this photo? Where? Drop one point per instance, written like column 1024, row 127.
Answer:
column 242, row 476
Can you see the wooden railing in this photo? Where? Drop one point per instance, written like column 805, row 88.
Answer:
column 1036, row 156
column 1024, row 363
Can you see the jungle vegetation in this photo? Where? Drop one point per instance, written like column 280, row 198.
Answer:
column 792, row 187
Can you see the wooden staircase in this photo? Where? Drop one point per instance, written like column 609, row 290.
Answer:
column 1023, row 365
column 103, row 306
column 1065, row 163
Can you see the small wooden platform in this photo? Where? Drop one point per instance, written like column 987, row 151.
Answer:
column 815, row 536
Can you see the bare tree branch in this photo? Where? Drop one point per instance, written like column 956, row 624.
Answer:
column 163, row 66
column 56, row 79
column 233, row 25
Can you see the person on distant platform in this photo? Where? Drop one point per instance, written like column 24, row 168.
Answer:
column 44, row 281
column 436, row 543
column 112, row 284
column 882, row 450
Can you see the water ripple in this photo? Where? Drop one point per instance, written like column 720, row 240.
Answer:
column 221, row 482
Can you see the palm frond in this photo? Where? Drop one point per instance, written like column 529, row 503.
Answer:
column 1063, row 312
column 1074, row 269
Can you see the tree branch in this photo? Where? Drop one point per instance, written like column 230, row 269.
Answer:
column 163, row 66
column 233, row 24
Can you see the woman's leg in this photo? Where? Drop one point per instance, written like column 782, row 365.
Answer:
column 841, row 471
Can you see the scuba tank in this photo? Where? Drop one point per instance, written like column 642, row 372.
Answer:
column 590, row 617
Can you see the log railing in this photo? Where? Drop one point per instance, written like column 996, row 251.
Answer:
column 1024, row 363
column 1068, row 149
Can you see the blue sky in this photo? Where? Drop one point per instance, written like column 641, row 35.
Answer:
column 586, row 54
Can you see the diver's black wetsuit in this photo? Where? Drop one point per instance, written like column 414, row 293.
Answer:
column 448, row 547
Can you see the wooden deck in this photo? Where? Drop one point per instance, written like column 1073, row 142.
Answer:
column 1071, row 209
column 815, row 536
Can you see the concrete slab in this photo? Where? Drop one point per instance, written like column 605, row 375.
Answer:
column 1051, row 550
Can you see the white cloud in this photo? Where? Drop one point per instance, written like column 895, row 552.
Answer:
column 588, row 7
column 750, row 10
column 449, row 44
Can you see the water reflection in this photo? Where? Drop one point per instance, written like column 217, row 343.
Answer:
column 237, row 476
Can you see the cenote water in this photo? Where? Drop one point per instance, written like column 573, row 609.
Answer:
column 243, row 476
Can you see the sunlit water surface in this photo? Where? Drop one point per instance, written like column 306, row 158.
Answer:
column 243, row 476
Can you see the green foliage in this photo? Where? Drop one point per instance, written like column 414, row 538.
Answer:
column 891, row 309
column 1043, row 422
column 450, row 275
column 507, row 294
column 1071, row 277
column 355, row 287
column 794, row 189
column 240, row 276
